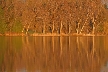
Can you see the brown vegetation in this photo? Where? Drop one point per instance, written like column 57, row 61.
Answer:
column 53, row 16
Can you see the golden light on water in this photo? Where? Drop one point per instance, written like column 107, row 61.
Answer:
column 53, row 54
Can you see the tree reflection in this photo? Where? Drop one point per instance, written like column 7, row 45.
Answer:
column 54, row 54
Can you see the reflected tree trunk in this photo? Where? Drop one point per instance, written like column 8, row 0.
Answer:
column 87, row 47
column 93, row 46
column 44, row 50
column 61, row 46
column 78, row 46
column 70, row 63
column 44, row 44
column 69, row 43
column 27, row 40
column 53, row 43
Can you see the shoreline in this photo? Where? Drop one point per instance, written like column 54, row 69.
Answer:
column 49, row 34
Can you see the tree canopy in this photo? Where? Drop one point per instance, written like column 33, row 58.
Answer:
column 54, row 16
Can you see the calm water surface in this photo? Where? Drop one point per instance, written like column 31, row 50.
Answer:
column 54, row 54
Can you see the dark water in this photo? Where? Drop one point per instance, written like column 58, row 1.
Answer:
column 54, row 54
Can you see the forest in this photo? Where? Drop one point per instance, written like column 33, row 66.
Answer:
column 68, row 17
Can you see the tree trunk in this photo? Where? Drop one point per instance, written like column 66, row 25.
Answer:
column 69, row 28
column 93, row 26
column 53, row 27
column 44, row 28
column 78, row 28
column 27, row 29
column 61, row 28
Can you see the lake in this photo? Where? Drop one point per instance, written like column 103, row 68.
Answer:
column 54, row 54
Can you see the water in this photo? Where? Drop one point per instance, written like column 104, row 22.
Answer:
column 54, row 54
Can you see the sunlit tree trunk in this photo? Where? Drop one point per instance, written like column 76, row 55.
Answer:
column 44, row 28
column 69, row 27
column 78, row 28
column 23, row 29
column 85, row 23
column 93, row 26
column 61, row 27
column 53, row 27
column 27, row 29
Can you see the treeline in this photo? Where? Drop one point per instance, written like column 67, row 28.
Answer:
column 53, row 16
